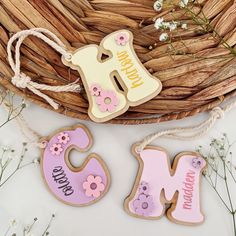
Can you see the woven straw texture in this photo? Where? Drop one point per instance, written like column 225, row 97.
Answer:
column 197, row 69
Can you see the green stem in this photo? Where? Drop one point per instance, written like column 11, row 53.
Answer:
column 222, row 200
column 48, row 226
column 234, row 223
column 11, row 117
column 209, row 26
column 17, row 168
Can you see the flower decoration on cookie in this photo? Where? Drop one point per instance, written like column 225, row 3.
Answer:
column 107, row 101
column 143, row 187
column 95, row 90
column 143, row 205
column 197, row 162
column 56, row 149
column 63, row 138
column 122, row 39
column 93, row 186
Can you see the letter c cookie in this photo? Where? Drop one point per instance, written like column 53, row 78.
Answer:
column 74, row 186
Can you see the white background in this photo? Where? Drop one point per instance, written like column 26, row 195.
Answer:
column 25, row 195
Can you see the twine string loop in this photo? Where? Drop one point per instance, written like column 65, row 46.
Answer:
column 189, row 132
column 22, row 81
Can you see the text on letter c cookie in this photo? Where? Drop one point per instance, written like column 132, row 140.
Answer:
column 74, row 186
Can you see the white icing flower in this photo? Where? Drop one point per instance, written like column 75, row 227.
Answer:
column 184, row 26
column 163, row 37
column 158, row 5
column 159, row 23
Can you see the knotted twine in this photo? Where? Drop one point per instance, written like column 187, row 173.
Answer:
column 23, row 81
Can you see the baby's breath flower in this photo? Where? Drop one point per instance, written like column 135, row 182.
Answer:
column 184, row 26
column 13, row 222
column 158, row 5
column 163, row 37
column 5, row 148
column 159, row 23
column 183, row 3
column 173, row 26
column 36, row 161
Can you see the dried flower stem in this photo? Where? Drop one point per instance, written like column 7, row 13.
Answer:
column 7, row 101
column 205, row 24
column 48, row 226
column 5, row 160
column 220, row 168
column 28, row 229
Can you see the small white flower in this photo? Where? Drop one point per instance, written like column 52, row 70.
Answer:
column 158, row 5
column 163, row 37
column 24, row 103
column 173, row 26
column 5, row 148
column 159, row 23
column 13, row 222
column 183, row 3
column 166, row 25
column 36, row 161
column 184, row 26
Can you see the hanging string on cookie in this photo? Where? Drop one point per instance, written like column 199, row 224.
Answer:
column 30, row 136
column 21, row 80
column 190, row 132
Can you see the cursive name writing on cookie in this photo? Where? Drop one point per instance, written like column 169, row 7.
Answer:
column 60, row 178
column 188, row 189
column 129, row 68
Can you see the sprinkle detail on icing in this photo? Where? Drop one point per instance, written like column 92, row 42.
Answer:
column 93, row 186
column 95, row 90
column 56, row 149
column 144, row 188
column 107, row 101
column 143, row 205
column 122, row 39
column 63, row 138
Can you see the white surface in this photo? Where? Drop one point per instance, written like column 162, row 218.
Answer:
column 26, row 196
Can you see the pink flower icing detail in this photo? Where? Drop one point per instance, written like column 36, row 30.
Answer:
column 107, row 101
column 122, row 39
column 143, row 205
column 197, row 162
column 95, row 90
column 143, row 188
column 63, row 138
column 56, row 149
column 93, row 186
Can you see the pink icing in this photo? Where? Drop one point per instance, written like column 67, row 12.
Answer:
column 67, row 185
column 185, row 181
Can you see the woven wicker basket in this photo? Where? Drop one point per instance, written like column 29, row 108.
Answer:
column 198, row 69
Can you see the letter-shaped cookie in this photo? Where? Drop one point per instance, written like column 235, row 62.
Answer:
column 99, row 76
column 74, row 186
column 157, row 183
